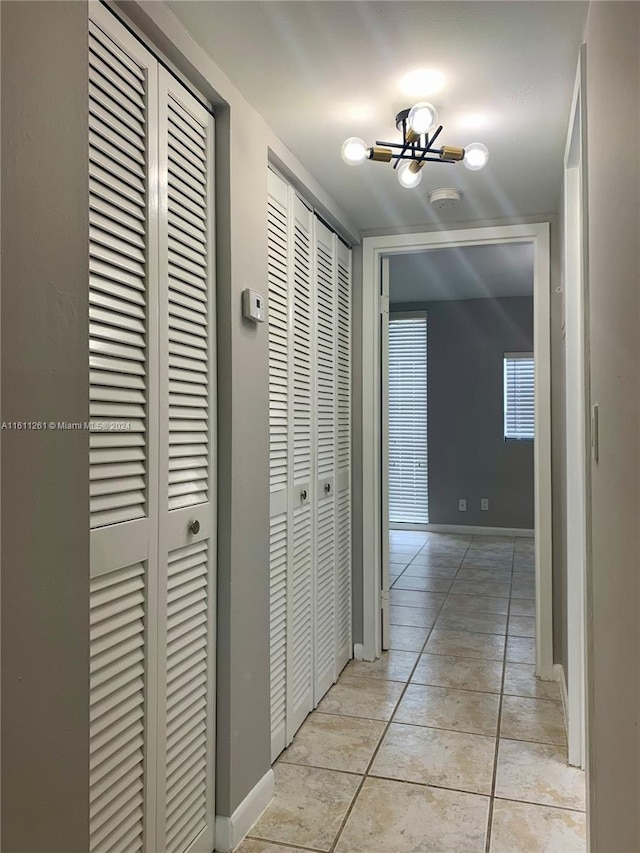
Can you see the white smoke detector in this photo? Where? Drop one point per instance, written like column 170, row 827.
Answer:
column 445, row 197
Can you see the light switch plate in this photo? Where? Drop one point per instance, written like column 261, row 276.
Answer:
column 254, row 306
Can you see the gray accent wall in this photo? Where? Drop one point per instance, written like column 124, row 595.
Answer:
column 468, row 456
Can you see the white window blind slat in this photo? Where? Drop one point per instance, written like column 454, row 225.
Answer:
column 519, row 407
column 408, row 449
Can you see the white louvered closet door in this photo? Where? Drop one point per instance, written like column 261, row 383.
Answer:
column 309, row 276
column 280, row 375
column 325, row 423
column 300, row 581
column 344, row 644
column 290, row 449
column 123, row 451
column 186, row 557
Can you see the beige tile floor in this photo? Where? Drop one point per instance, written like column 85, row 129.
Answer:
column 448, row 743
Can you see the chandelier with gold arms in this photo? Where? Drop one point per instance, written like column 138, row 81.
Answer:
column 416, row 148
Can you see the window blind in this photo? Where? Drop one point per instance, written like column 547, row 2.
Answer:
column 519, row 395
column 408, row 472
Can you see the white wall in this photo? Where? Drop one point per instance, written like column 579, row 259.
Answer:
column 613, row 152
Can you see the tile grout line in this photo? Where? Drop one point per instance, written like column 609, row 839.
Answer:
column 365, row 775
column 285, row 844
column 499, row 721
column 542, row 805
column 418, row 552
column 422, row 726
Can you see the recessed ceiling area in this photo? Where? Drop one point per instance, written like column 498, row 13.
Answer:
column 469, row 272
column 320, row 71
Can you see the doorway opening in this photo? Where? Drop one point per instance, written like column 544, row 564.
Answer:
column 462, row 394
column 378, row 254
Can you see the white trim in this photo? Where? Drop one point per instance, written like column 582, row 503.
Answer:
column 385, row 636
column 577, row 403
column 230, row 831
column 373, row 250
column 472, row 530
column 560, row 677
column 358, row 651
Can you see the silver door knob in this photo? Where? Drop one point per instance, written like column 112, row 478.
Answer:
column 327, row 487
column 194, row 527
column 303, row 495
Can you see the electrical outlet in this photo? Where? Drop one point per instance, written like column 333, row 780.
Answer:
column 462, row 505
column 484, row 503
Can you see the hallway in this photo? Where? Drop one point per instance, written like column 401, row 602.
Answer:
column 402, row 755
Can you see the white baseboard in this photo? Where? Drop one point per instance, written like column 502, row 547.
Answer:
column 358, row 651
column 559, row 675
column 464, row 528
column 230, row 831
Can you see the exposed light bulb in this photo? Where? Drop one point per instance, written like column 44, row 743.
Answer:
column 409, row 174
column 476, row 156
column 354, row 151
column 422, row 117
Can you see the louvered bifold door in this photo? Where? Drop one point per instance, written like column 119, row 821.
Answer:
column 325, row 423
column 344, row 645
column 186, row 558
column 299, row 586
column 123, row 446
column 280, row 374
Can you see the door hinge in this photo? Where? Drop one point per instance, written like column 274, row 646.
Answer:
column 595, row 433
column 384, row 598
column 384, row 304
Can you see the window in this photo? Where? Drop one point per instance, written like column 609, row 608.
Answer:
column 408, row 478
column 518, row 396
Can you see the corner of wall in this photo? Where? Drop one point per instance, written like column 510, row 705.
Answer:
column 230, row 831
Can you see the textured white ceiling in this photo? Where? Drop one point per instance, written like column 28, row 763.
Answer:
column 319, row 71
column 470, row 272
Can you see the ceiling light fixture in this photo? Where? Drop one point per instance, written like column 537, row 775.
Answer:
column 416, row 148
column 472, row 120
column 421, row 81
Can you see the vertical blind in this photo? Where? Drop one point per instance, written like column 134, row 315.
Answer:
column 518, row 395
column 408, row 473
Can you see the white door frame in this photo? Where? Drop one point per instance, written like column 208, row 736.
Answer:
column 384, row 451
column 374, row 249
column 577, row 400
